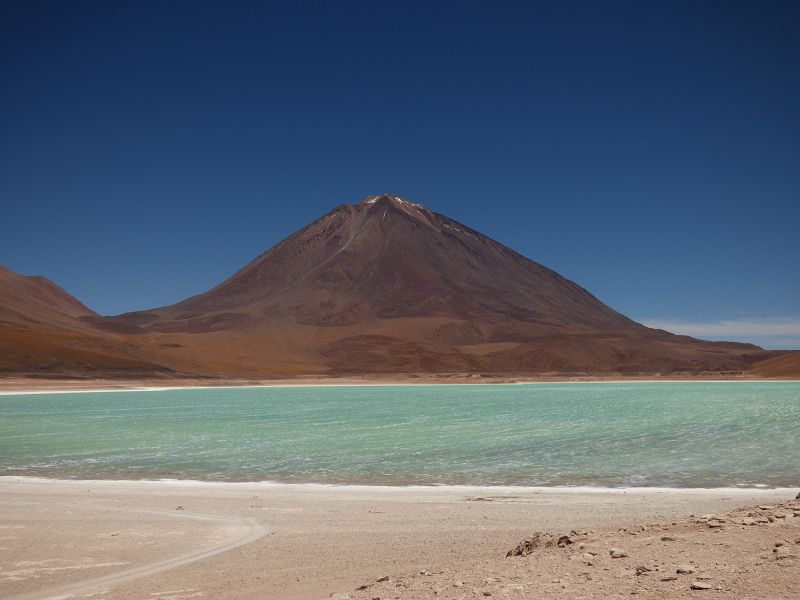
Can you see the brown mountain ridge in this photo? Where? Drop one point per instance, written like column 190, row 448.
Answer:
column 43, row 332
column 384, row 286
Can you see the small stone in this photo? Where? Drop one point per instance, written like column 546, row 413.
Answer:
column 667, row 538
column 617, row 553
column 564, row 540
column 641, row 569
column 458, row 584
column 684, row 569
column 783, row 553
column 699, row 585
column 487, row 593
column 766, row 507
column 669, row 578
column 721, row 518
column 748, row 521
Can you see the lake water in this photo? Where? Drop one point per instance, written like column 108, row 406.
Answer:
column 599, row 434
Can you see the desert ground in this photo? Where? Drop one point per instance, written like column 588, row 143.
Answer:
column 173, row 540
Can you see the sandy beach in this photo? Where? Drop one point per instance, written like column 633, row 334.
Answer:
column 175, row 540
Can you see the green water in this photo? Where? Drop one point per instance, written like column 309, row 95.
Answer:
column 629, row 434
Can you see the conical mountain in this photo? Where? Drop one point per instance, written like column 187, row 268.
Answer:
column 386, row 258
column 387, row 285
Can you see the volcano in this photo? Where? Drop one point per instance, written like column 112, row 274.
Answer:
column 388, row 258
column 388, row 286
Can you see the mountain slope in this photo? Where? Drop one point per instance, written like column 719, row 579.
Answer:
column 784, row 365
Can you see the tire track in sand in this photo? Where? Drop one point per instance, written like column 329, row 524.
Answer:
column 244, row 531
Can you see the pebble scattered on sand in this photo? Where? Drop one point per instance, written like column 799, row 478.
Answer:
column 784, row 552
column 699, row 585
column 557, row 564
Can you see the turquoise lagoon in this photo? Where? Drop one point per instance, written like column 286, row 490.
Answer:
column 687, row 434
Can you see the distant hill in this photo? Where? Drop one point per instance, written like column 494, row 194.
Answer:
column 32, row 301
column 43, row 332
column 785, row 365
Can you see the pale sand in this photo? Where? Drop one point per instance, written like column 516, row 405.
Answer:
column 109, row 540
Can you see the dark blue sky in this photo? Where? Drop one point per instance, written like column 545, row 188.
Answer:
column 649, row 151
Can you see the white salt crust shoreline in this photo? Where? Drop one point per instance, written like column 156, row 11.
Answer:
column 30, row 392
column 399, row 489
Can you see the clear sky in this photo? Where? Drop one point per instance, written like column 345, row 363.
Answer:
column 649, row 151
